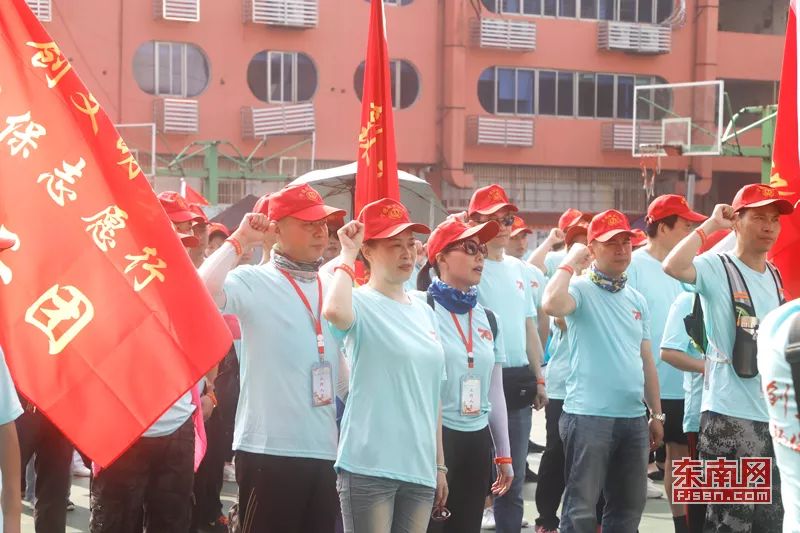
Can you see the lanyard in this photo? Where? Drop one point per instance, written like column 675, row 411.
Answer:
column 467, row 344
column 317, row 321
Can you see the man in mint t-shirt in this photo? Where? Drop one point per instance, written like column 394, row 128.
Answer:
column 606, row 435
column 734, row 419
column 669, row 219
column 780, row 394
column 505, row 289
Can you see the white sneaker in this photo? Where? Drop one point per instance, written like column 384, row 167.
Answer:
column 488, row 519
column 525, row 523
column 229, row 473
column 78, row 468
column 653, row 490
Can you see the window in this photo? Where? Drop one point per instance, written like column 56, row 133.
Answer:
column 282, row 77
column 589, row 9
column 170, row 69
column 567, row 8
column 405, row 83
column 397, row 2
column 514, row 7
column 506, row 90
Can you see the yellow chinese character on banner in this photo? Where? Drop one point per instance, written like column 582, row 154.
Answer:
column 23, row 134
column 60, row 313
column 151, row 268
column 133, row 167
column 104, row 226
column 49, row 57
column 368, row 136
column 6, row 275
column 57, row 184
column 88, row 105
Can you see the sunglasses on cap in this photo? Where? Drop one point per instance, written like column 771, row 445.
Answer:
column 507, row 220
column 469, row 247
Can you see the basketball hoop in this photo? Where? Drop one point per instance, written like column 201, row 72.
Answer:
column 650, row 162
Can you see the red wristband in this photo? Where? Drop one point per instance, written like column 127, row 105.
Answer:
column 502, row 460
column 703, row 236
column 236, row 245
column 567, row 268
column 347, row 270
column 540, row 381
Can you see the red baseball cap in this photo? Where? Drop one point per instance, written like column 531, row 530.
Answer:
column 672, row 204
column 489, row 200
column 639, row 238
column 7, row 242
column 386, row 218
column 519, row 226
column 197, row 210
column 216, row 227
column 188, row 240
column 571, row 217
column 608, row 224
column 759, row 195
column 178, row 210
column 451, row 231
column 581, row 227
column 301, row 202
column 262, row 205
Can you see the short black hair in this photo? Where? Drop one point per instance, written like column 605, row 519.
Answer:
column 652, row 227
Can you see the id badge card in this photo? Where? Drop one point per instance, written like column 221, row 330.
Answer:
column 321, row 384
column 470, row 396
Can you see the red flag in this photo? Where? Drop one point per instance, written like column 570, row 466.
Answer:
column 376, row 177
column 191, row 195
column 786, row 162
column 103, row 319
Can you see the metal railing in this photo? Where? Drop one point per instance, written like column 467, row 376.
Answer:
column 177, row 115
column 260, row 122
column 634, row 37
column 290, row 13
column 500, row 131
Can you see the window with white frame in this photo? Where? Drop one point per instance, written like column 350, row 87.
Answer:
column 282, row 77
column 170, row 69
column 645, row 11
column 517, row 91
column 405, row 83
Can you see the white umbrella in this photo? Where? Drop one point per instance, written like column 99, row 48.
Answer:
column 336, row 185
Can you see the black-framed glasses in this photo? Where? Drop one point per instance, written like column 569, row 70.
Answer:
column 507, row 220
column 469, row 247
column 440, row 514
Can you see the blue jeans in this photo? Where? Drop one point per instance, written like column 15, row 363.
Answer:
column 382, row 505
column 608, row 454
column 509, row 507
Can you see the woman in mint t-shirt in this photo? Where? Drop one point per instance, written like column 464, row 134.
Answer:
column 474, row 407
column 390, row 461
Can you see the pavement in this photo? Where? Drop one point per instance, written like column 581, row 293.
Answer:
column 656, row 517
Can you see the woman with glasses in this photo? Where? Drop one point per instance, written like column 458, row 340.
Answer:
column 390, row 462
column 474, row 408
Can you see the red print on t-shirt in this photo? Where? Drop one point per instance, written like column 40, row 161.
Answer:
column 637, row 315
column 485, row 334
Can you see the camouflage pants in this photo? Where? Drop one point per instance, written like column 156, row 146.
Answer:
column 732, row 438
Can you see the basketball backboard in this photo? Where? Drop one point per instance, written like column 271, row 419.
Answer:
column 682, row 118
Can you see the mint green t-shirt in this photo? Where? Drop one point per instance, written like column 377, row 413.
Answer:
column 552, row 260
column 505, row 289
column 647, row 276
column 724, row 391
column 676, row 338
column 275, row 414
column 396, row 368
column 605, row 333
column 781, row 403
column 557, row 369
column 486, row 352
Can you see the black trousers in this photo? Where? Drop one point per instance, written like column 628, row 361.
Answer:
column 208, row 478
column 284, row 494
column 37, row 435
column 550, row 487
column 149, row 486
column 468, row 456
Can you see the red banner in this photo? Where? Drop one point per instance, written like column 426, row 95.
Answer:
column 377, row 155
column 191, row 195
column 103, row 319
column 786, row 162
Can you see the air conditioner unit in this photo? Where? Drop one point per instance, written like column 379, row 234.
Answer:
column 648, row 38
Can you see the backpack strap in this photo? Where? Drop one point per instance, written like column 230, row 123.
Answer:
column 430, row 299
column 740, row 294
column 695, row 326
column 490, row 316
column 776, row 276
column 793, row 356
